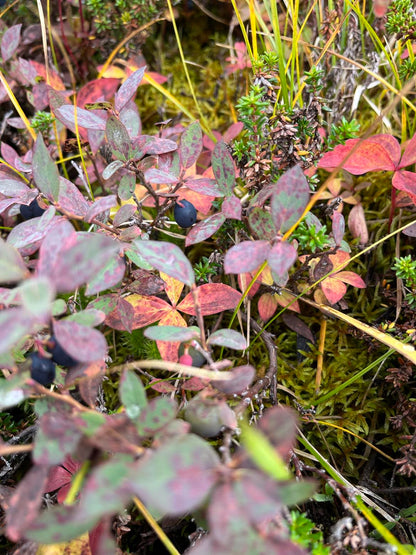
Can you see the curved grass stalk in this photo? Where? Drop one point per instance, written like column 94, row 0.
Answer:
column 242, row 28
column 44, row 39
column 155, row 526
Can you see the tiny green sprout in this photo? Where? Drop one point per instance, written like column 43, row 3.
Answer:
column 304, row 532
column 343, row 131
column 42, row 122
column 314, row 79
column 401, row 18
column 407, row 69
column 311, row 239
column 206, row 269
column 405, row 269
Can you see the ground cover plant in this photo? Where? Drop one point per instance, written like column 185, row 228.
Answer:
column 207, row 278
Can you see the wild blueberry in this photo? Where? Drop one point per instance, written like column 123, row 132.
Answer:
column 42, row 369
column 33, row 210
column 59, row 355
column 184, row 213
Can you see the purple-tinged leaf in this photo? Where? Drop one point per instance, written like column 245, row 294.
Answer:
column 132, row 394
column 124, row 214
column 281, row 258
column 111, row 169
column 45, row 172
column 63, row 235
column 358, row 226
column 26, row 502
column 80, row 262
column 170, row 333
column 190, row 145
column 27, row 235
column 109, row 276
column 405, row 181
column 12, row 186
column 178, row 476
column 155, row 145
column 126, row 186
column 81, row 342
column 242, row 377
column 338, row 227
column 209, row 416
column 57, row 436
column 130, row 118
column 231, row 208
column 204, row 186
column 246, row 256
column 167, row 258
column 10, row 42
column 128, row 89
column 261, row 224
column 118, row 138
column 228, row 338
column 12, row 266
column 157, row 414
column 298, row 326
column 289, row 198
column 70, row 199
column 9, row 154
column 99, row 206
column 85, row 118
column 223, row 168
column 204, row 229
column 409, row 154
column 159, row 177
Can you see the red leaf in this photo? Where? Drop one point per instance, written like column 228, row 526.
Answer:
column 244, row 281
column 169, row 349
column 409, row 155
column 97, row 90
column 246, row 256
column 231, row 208
column 334, row 289
column 405, row 181
column 147, row 310
column 368, row 156
column 267, row 305
column 357, row 224
column 213, row 298
column 351, row 278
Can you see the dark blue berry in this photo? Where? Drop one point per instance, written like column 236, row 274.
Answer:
column 42, row 369
column 59, row 355
column 184, row 213
column 33, row 210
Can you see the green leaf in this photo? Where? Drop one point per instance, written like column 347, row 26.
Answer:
column 223, row 168
column 118, row 138
column 12, row 266
column 190, row 145
column 45, row 172
column 289, row 199
column 263, row 454
column 132, row 394
column 37, row 295
column 170, row 333
column 155, row 415
column 228, row 338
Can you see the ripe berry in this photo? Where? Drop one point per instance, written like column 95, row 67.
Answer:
column 31, row 211
column 59, row 355
column 184, row 213
column 185, row 359
column 42, row 369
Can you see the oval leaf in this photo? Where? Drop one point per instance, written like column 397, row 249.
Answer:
column 190, row 145
column 228, row 338
column 246, row 256
column 45, row 172
column 289, row 198
column 81, row 342
column 170, row 333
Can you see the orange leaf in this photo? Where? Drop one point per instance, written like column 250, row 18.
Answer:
column 173, row 289
column 267, row 306
column 147, row 310
column 169, row 349
column 334, row 289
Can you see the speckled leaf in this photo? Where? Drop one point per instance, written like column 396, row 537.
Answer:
column 261, row 224
column 178, row 476
column 60, row 523
column 132, row 394
column 70, row 199
column 126, row 186
column 89, row 317
column 212, row 298
column 145, row 310
column 11, row 186
column 246, row 256
column 231, row 208
column 159, row 176
column 190, row 145
column 56, row 437
column 281, row 258
column 12, row 266
column 26, row 236
column 170, row 333
column 37, row 295
column 204, row 186
column 86, row 119
column 45, row 172
column 205, row 229
column 266, row 306
column 25, row 503
column 107, row 277
column 79, row 263
column 289, row 199
column 228, row 338
column 128, row 89
column 111, row 169
column 167, row 258
column 81, row 342
column 118, row 138
column 130, row 117
column 158, row 413
column 223, row 168
column 99, row 206
column 10, row 42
